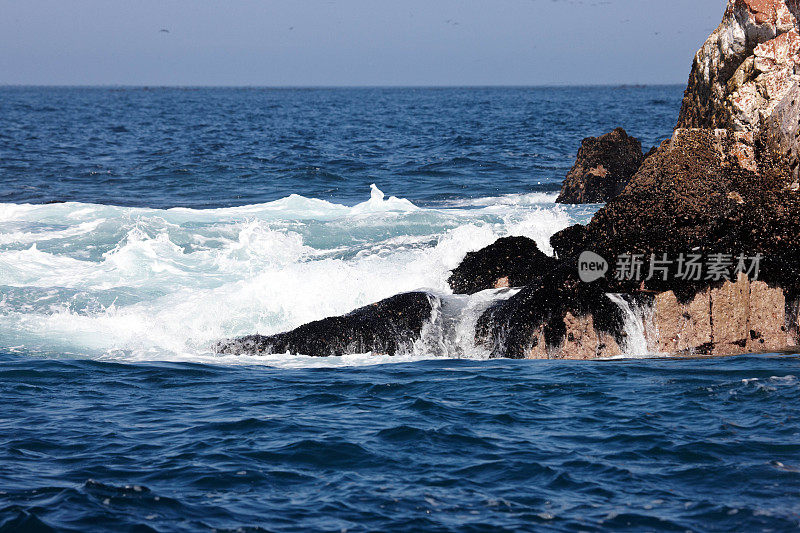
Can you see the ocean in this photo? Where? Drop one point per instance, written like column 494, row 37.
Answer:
column 138, row 226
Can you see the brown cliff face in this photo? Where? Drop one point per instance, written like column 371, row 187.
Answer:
column 737, row 317
column 745, row 76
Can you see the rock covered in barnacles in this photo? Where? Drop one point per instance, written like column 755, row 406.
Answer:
column 691, row 196
column 509, row 262
column 603, row 167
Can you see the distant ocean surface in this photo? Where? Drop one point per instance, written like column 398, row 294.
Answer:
column 139, row 226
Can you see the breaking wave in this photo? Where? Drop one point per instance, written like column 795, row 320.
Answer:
column 102, row 281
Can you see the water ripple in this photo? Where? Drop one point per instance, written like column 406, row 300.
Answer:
column 431, row 445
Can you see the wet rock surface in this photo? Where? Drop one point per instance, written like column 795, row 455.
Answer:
column 603, row 167
column 691, row 196
column 509, row 262
column 386, row 327
column 536, row 319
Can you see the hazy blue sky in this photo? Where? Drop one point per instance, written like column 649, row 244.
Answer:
column 351, row 42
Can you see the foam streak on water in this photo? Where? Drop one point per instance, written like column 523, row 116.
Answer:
column 103, row 281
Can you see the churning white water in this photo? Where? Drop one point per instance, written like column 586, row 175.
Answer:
column 635, row 344
column 104, row 281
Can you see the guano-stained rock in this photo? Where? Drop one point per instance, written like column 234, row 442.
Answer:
column 745, row 77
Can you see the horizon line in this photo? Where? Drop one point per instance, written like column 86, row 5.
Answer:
column 443, row 86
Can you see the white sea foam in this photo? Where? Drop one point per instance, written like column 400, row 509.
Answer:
column 636, row 324
column 145, row 284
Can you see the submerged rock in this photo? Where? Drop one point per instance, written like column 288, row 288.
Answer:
column 603, row 168
column 388, row 327
column 509, row 262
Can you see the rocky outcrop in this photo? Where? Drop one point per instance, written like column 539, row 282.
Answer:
column 603, row 168
column 736, row 317
column 509, row 262
column 725, row 185
column 745, row 78
column 387, row 327
column 741, row 316
column 692, row 196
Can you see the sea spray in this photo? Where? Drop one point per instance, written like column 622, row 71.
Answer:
column 451, row 330
column 636, row 321
column 141, row 284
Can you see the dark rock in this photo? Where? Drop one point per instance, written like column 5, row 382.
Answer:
column 603, row 168
column 509, row 262
column 387, row 327
column 569, row 242
column 508, row 327
column 691, row 196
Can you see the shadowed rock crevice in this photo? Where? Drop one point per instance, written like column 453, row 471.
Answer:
column 793, row 320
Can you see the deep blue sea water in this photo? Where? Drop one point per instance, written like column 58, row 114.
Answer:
column 191, row 215
column 225, row 147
